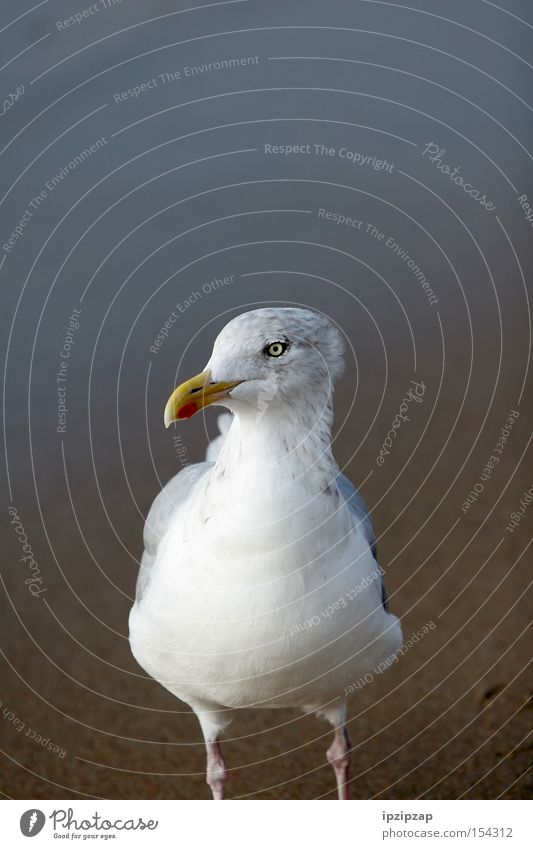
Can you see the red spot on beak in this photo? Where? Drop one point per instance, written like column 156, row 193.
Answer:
column 188, row 410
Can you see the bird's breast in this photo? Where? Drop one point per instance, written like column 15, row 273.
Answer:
column 296, row 519
column 240, row 573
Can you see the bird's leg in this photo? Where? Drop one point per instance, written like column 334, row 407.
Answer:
column 213, row 721
column 217, row 774
column 338, row 755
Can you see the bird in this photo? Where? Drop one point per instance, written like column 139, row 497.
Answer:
column 259, row 585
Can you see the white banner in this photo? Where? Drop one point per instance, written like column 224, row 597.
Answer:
column 267, row 825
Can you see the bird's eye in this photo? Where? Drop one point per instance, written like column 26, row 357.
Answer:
column 276, row 349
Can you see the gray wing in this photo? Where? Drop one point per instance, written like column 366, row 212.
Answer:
column 160, row 515
column 364, row 521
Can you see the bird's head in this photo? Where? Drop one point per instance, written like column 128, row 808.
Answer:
column 265, row 359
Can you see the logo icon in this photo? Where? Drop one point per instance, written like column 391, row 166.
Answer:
column 32, row 822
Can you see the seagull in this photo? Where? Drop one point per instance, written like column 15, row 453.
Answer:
column 259, row 585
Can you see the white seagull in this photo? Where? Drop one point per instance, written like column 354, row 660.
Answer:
column 259, row 585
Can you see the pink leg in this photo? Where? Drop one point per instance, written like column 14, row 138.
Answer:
column 339, row 757
column 217, row 773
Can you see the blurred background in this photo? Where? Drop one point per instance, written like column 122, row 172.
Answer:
column 165, row 167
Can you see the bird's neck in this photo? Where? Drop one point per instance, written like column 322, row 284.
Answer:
column 273, row 487
column 280, row 446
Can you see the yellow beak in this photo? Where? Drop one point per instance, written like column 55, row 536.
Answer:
column 194, row 395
